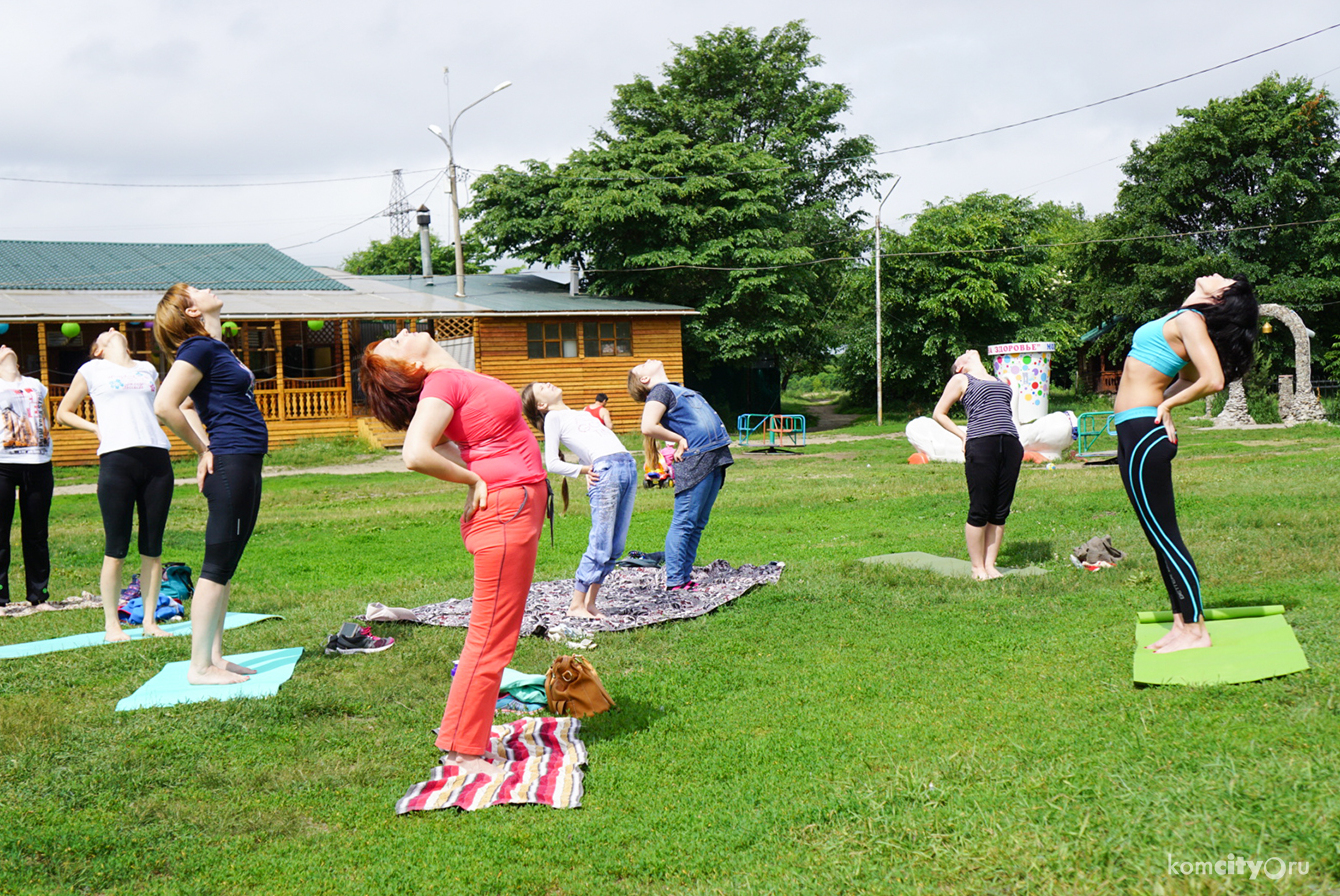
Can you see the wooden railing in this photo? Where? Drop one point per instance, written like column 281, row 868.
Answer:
column 54, row 396
column 303, row 399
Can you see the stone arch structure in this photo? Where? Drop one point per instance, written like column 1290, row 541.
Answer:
column 1298, row 403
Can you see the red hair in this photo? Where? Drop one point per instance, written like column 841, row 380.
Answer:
column 391, row 387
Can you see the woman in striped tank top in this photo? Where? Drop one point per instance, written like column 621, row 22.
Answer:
column 992, row 455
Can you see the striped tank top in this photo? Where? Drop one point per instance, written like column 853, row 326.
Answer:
column 988, row 405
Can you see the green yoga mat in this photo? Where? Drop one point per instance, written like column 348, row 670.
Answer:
column 95, row 639
column 945, row 566
column 1249, row 644
column 169, row 687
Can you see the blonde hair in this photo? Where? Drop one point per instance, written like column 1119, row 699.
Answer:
column 172, row 325
column 637, row 389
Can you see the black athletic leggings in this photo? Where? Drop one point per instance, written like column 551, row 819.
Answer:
column 1144, row 455
column 129, row 479
column 991, row 465
column 35, row 484
column 233, row 491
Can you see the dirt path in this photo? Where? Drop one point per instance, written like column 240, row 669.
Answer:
column 388, row 463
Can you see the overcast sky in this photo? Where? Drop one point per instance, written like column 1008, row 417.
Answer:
column 178, row 93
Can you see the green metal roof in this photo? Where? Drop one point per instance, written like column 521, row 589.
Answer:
column 154, row 266
column 528, row 294
column 1102, row 328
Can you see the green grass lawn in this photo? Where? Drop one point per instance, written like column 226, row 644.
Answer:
column 851, row 729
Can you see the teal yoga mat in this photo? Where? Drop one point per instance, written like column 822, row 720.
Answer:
column 95, row 639
column 1249, row 644
column 169, row 687
column 945, row 566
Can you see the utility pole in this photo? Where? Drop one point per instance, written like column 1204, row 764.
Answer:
column 879, row 327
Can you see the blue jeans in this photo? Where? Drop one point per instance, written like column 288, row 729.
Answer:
column 611, row 512
column 693, row 506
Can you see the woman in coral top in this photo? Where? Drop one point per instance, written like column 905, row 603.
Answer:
column 467, row 428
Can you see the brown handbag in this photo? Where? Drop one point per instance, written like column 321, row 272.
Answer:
column 573, row 688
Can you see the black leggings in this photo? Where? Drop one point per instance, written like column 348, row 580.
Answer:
column 991, row 465
column 134, row 478
column 1144, row 455
column 233, row 491
column 35, row 484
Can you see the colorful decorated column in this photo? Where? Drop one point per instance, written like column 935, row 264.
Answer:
column 1027, row 367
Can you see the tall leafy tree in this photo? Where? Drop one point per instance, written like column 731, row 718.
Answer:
column 718, row 188
column 403, row 255
column 1235, row 187
column 983, row 269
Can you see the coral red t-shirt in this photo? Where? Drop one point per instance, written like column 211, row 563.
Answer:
column 486, row 423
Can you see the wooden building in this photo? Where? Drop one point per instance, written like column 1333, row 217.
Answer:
column 301, row 330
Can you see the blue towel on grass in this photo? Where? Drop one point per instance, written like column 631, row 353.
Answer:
column 94, row 639
column 169, row 687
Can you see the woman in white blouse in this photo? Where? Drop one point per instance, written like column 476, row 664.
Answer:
column 134, row 469
column 611, row 476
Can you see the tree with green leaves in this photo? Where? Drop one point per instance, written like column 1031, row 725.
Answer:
column 1248, row 185
column 720, row 188
column 968, row 273
column 403, row 255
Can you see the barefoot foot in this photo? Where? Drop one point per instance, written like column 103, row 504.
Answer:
column 153, row 631
column 1187, row 640
column 583, row 613
column 994, row 573
column 472, row 765
column 234, row 668
column 114, row 635
column 213, row 675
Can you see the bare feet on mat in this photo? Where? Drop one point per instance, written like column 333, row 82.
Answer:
column 980, row 575
column 584, row 613
column 234, row 668
column 153, row 631
column 1177, row 628
column 994, row 573
column 114, row 635
column 1189, row 639
column 472, row 765
column 214, row 675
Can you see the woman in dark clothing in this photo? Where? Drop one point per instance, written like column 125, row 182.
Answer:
column 992, row 455
column 1175, row 360
column 208, row 385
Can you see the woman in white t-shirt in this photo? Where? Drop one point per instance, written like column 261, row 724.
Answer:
column 611, row 476
column 25, row 464
column 134, row 469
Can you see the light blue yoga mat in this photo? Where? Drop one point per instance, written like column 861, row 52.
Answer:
column 94, row 639
column 169, row 687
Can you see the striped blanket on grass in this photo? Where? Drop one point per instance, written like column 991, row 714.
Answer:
column 544, row 759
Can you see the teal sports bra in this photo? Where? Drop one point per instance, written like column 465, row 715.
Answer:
column 1150, row 346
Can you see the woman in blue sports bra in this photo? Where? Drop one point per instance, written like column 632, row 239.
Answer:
column 1175, row 360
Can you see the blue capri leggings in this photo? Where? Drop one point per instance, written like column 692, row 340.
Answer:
column 1144, row 455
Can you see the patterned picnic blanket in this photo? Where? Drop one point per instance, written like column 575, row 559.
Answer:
column 82, row 601
column 544, row 759
column 630, row 598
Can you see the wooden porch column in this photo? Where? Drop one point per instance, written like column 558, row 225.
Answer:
column 43, row 374
column 279, row 369
column 348, row 369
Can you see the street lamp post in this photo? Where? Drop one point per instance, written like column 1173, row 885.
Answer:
column 451, row 170
column 879, row 328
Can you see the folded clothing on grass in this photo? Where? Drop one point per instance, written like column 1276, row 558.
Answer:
column 630, row 598
column 1247, row 644
column 543, row 765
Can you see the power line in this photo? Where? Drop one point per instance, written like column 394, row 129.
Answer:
column 274, row 183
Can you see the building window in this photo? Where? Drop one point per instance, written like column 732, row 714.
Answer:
column 551, row 340
column 608, row 339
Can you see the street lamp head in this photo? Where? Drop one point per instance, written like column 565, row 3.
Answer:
column 435, row 129
column 504, row 85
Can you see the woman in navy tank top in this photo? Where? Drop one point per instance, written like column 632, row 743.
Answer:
column 992, row 455
column 1175, row 360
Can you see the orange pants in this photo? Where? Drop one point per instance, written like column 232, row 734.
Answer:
column 504, row 539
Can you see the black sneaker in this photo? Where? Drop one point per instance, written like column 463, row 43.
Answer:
column 362, row 640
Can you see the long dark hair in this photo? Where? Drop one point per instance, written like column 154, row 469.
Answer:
column 1232, row 323
column 530, row 409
